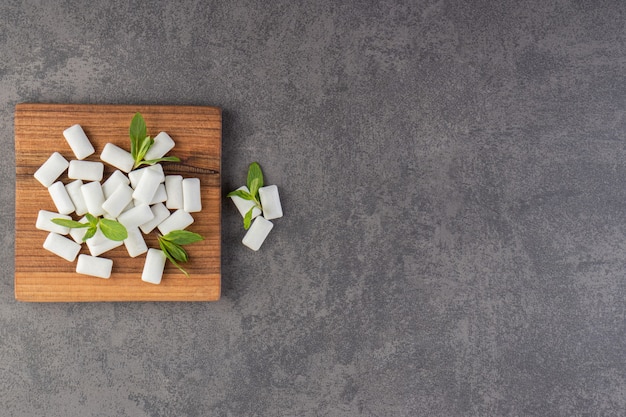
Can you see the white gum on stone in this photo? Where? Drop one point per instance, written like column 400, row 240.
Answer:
column 245, row 205
column 270, row 201
column 257, row 233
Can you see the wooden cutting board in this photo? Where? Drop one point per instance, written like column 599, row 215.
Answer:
column 43, row 276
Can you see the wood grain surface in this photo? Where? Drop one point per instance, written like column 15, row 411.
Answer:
column 43, row 276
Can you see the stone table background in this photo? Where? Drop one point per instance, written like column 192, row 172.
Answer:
column 452, row 175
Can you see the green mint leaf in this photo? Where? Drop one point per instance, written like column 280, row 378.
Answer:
column 164, row 248
column 254, row 187
column 91, row 219
column 242, row 194
column 164, row 159
column 90, row 233
column 113, row 229
column 247, row 219
column 137, row 133
column 72, row 224
column 144, row 145
column 182, row 237
column 176, row 251
column 254, row 172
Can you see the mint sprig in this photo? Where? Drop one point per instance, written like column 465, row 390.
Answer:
column 254, row 182
column 255, row 178
column 73, row 224
column 171, row 245
column 112, row 229
column 140, row 143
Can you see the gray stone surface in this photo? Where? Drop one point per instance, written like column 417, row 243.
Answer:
column 452, row 176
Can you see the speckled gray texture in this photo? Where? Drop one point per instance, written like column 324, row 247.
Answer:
column 452, row 175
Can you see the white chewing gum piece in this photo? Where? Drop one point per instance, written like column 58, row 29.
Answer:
column 147, row 186
column 61, row 198
column 179, row 220
column 98, row 238
column 153, row 267
column 85, row 170
column 44, row 222
column 135, row 243
column 135, row 175
column 163, row 143
column 117, row 157
column 114, row 180
column 115, row 204
column 129, row 206
column 78, row 141
column 94, row 197
column 94, row 266
column 174, row 190
column 98, row 245
column 61, row 246
column 52, row 169
column 192, row 201
column 257, row 233
column 160, row 195
column 244, row 205
column 160, row 213
column 136, row 216
column 76, row 195
column 270, row 201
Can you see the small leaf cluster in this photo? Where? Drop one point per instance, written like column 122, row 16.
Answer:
column 254, row 182
column 140, row 143
column 171, row 245
column 112, row 229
